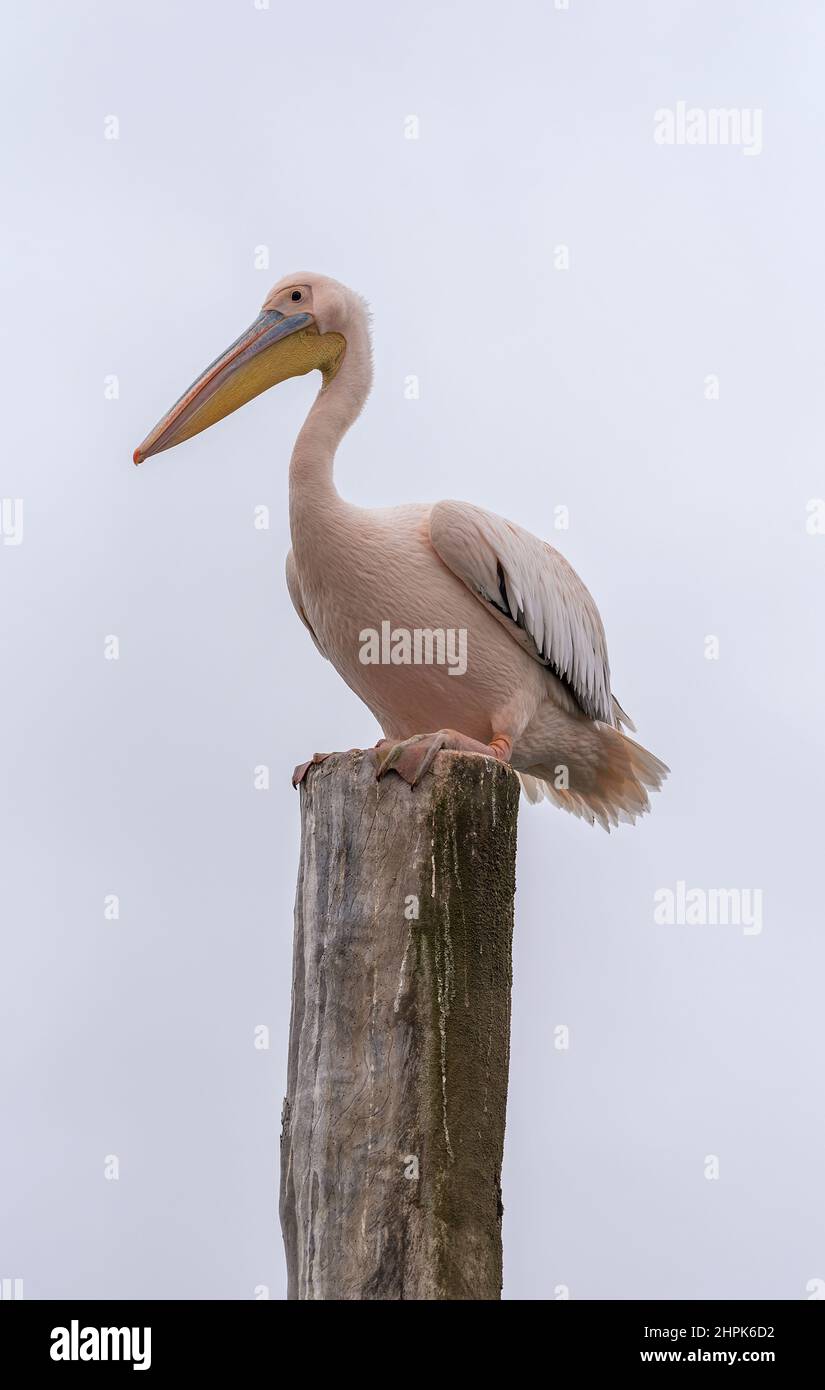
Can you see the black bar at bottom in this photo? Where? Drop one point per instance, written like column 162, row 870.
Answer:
column 165, row 1338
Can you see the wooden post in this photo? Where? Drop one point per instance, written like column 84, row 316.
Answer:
column 393, row 1122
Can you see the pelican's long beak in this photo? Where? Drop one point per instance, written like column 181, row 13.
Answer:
column 275, row 347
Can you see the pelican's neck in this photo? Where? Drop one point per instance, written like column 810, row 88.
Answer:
column 336, row 407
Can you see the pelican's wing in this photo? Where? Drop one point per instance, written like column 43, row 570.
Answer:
column 294, row 587
column 536, row 594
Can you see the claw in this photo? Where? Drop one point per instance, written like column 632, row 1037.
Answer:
column 413, row 757
column 303, row 768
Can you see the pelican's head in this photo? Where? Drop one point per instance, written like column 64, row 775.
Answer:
column 302, row 325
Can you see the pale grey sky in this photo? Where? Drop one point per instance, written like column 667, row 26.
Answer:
column 539, row 388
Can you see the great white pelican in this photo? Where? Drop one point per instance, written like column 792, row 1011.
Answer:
column 458, row 629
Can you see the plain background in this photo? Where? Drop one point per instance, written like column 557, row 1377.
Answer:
column 284, row 128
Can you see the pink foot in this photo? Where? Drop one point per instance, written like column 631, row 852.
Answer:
column 413, row 757
column 303, row 768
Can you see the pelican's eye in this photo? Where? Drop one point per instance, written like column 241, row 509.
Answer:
column 296, row 296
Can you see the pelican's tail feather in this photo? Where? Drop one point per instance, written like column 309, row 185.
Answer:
column 602, row 776
column 534, row 789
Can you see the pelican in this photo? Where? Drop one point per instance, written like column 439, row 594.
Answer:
column 394, row 596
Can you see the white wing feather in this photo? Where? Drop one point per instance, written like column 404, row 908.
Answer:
column 536, row 594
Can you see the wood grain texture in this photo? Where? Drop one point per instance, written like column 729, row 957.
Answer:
column 393, row 1123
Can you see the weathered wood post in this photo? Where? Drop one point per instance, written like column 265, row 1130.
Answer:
column 393, row 1122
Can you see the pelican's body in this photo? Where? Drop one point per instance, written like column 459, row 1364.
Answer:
column 533, row 685
column 355, row 569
